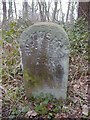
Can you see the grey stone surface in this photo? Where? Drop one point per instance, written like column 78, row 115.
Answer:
column 45, row 59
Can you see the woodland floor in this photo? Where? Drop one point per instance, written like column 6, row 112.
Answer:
column 16, row 105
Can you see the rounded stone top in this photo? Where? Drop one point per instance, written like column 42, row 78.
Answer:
column 53, row 28
column 49, row 24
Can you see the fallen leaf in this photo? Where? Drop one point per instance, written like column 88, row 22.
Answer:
column 30, row 114
column 85, row 110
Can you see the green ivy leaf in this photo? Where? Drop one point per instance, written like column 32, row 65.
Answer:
column 25, row 109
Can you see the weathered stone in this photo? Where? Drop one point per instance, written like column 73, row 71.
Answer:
column 45, row 58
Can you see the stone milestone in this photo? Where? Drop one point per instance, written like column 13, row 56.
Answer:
column 45, row 58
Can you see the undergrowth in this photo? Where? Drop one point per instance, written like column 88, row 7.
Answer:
column 16, row 104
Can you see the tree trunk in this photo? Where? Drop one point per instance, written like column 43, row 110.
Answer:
column 25, row 10
column 83, row 10
column 54, row 12
column 72, row 13
column 33, row 8
column 15, row 9
column 41, row 12
column 69, row 3
column 4, row 11
column 62, row 16
column 89, row 15
column 46, row 11
column 10, row 11
column 89, row 54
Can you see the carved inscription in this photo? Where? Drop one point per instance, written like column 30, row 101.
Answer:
column 36, row 39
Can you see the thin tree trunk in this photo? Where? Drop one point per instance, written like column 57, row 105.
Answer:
column 88, row 54
column 15, row 9
column 72, row 14
column 4, row 11
column 44, row 9
column 32, row 8
column 61, row 12
column 89, row 15
column 41, row 13
column 25, row 10
column 54, row 12
column 46, row 12
column 69, row 3
column 10, row 11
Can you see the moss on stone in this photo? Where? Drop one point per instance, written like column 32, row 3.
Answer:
column 32, row 81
